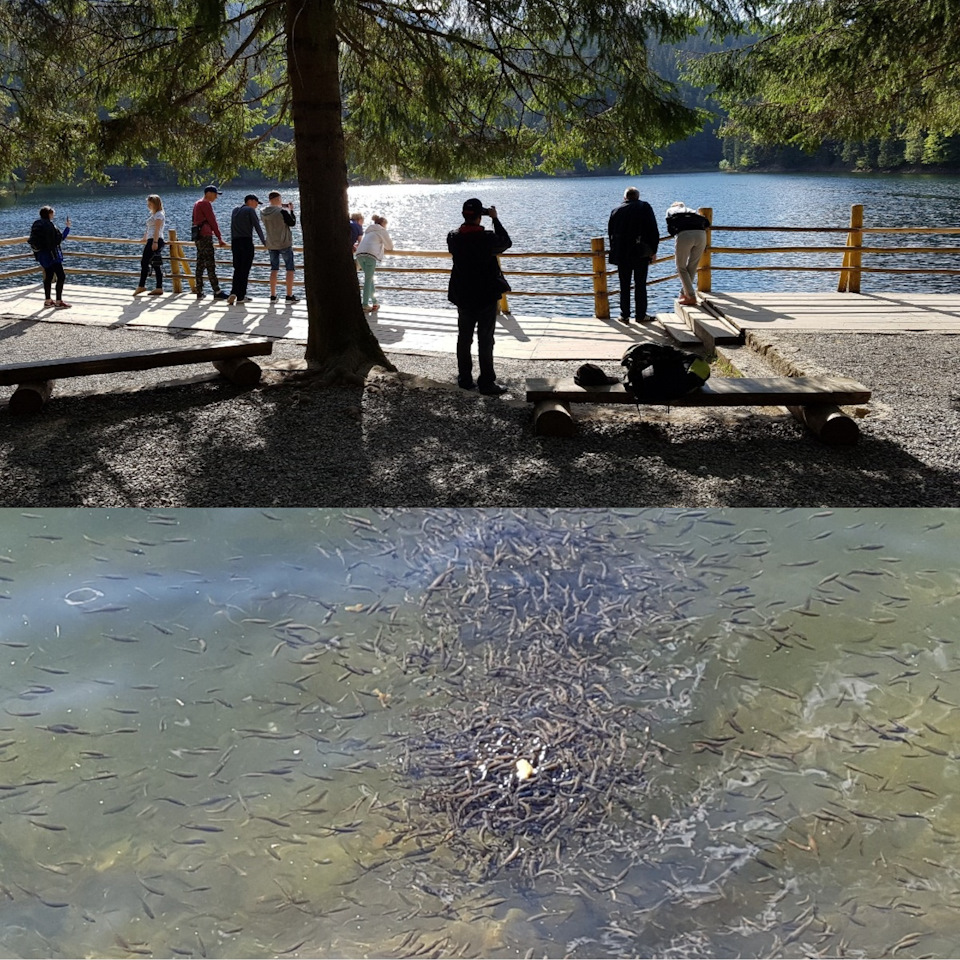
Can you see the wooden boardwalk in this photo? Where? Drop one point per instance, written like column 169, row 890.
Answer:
column 840, row 312
column 399, row 329
column 434, row 330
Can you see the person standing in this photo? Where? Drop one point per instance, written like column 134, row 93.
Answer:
column 153, row 241
column 634, row 238
column 205, row 229
column 476, row 285
column 690, row 230
column 45, row 240
column 373, row 246
column 356, row 230
column 243, row 222
column 278, row 217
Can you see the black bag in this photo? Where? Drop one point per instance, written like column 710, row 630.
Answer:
column 195, row 232
column 686, row 220
column 655, row 371
column 590, row 375
column 643, row 249
column 44, row 237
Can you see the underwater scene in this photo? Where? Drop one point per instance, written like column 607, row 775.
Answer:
column 479, row 733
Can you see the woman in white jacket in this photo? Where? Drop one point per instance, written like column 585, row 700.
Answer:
column 373, row 246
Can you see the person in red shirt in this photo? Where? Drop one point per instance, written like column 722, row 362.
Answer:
column 205, row 220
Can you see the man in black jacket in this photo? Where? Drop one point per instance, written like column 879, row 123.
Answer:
column 634, row 238
column 476, row 284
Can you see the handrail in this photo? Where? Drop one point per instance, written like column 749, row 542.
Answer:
column 851, row 268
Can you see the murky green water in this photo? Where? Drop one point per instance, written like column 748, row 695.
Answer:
column 213, row 727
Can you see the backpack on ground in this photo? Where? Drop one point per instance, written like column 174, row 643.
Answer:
column 654, row 371
column 44, row 237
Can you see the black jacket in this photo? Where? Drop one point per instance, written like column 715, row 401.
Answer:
column 633, row 232
column 686, row 220
column 476, row 278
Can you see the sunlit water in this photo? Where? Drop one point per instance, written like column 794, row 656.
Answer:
column 561, row 215
column 206, row 720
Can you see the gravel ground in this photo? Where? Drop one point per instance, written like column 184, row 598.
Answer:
column 142, row 440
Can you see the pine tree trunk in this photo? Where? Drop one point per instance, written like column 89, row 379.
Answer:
column 339, row 339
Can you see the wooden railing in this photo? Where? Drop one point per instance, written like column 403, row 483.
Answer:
column 547, row 265
column 852, row 252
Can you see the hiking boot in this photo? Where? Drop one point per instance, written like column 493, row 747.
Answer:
column 220, row 295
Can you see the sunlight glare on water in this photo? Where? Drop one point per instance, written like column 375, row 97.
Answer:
column 562, row 214
column 243, row 733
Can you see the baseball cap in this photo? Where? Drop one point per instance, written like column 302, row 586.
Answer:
column 251, row 196
column 472, row 206
column 210, row 188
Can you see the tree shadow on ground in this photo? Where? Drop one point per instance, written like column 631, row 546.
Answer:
column 291, row 444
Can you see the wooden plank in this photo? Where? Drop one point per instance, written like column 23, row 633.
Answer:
column 679, row 331
column 711, row 329
column 15, row 373
column 718, row 391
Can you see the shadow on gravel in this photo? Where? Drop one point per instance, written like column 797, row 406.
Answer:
column 389, row 444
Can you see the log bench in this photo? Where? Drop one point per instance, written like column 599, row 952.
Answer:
column 812, row 400
column 34, row 381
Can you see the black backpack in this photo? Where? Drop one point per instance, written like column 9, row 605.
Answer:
column 44, row 236
column 654, row 371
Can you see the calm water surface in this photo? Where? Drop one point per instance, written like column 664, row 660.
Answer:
column 563, row 214
column 212, row 732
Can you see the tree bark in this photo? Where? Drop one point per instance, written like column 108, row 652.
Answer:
column 339, row 339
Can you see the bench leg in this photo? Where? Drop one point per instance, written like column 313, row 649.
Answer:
column 29, row 398
column 552, row 418
column 829, row 423
column 240, row 371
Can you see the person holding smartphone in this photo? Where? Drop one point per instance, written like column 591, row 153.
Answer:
column 45, row 240
column 278, row 217
column 476, row 285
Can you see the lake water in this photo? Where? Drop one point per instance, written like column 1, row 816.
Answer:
column 245, row 733
column 561, row 215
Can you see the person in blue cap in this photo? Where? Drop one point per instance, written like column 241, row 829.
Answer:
column 476, row 285
column 243, row 222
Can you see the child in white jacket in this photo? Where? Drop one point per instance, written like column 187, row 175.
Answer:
column 373, row 246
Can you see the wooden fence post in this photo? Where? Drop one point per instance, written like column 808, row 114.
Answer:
column 704, row 277
column 175, row 254
column 601, row 295
column 852, row 259
column 179, row 265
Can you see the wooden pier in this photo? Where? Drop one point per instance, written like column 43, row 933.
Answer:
column 520, row 337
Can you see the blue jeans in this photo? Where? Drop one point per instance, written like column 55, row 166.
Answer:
column 287, row 254
column 368, row 264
